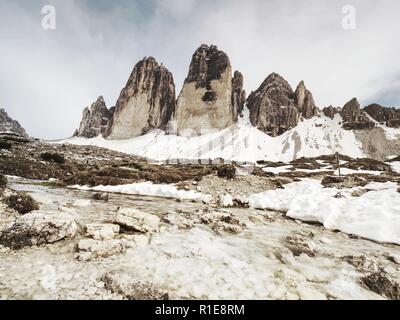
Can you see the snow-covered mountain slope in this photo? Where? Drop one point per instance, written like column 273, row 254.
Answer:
column 240, row 142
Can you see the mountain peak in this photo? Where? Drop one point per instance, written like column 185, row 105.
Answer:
column 304, row 101
column 146, row 102
column 210, row 97
column 8, row 125
column 355, row 118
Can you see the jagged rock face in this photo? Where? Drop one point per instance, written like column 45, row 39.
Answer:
column 147, row 102
column 210, row 98
column 384, row 115
column 272, row 108
column 354, row 118
column 8, row 125
column 330, row 111
column 238, row 95
column 94, row 120
column 305, row 102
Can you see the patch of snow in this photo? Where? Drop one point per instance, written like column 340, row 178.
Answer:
column 390, row 133
column 374, row 215
column 346, row 171
column 149, row 189
column 277, row 170
column 395, row 166
column 226, row 201
column 240, row 142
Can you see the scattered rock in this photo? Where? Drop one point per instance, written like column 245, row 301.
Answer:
column 55, row 157
column 135, row 240
column 338, row 195
column 3, row 181
column 380, row 283
column 38, row 228
column 89, row 249
column 361, row 263
column 367, row 164
column 298, row 245
column 332, row 158
column 119, row 282
column 227, row 171
column 219, row 221
column 102, row 231
column 359, row 192
column 4, row 145
column 21, row 202
column 305, row 164
column 240, row 202
column 135, row 220
column 221, row 227
column 343, row 182
column 100, row 196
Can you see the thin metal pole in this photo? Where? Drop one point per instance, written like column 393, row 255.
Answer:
column 338, row 162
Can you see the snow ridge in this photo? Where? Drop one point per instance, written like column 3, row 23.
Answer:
column 240, row 142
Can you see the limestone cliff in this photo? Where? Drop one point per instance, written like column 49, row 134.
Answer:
column 94, row 120
column 147, row 102
column 272, row 107
column 10, row 126
column 210, row 97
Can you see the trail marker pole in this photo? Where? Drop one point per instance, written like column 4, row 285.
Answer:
column 338, row 162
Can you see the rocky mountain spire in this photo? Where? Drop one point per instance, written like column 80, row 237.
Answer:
column 94, row 120
column 305, row 102
column 147, row 102
column 272, row 107
column 355, row 118
column 210, row 98
column 238, row 95
column 8, row 125
column 330, row 111
column 387, row 116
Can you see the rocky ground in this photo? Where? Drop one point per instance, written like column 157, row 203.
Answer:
column 60, row 242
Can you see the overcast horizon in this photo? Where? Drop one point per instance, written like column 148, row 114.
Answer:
column 49, row 76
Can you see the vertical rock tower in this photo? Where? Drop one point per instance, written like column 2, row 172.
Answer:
column 210, row 97
column 147, row 102
column 10, row 126
column 94, row 120
column 272, row 107
column 275, row 108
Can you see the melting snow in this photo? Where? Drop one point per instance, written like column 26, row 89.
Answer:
column 150, row 189
column 374, row 215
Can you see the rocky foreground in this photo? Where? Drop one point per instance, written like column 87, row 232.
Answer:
column 82, row 222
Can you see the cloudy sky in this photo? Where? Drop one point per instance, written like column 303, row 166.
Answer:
column 48, row 77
